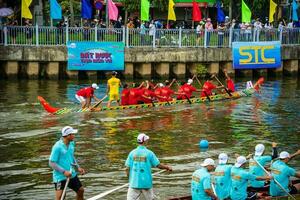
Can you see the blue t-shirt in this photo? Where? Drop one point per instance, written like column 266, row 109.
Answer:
column 63, row 156
column 140, row 161
column 200, row 183
column 223, row 180
column 239, row 183
column 281, row 172
column 256, row 170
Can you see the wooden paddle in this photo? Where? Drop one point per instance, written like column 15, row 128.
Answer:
column 207, row 96
column 117, row 188
column 228, row 92
column 97, row 104
column 281, row 187
column 65, row 189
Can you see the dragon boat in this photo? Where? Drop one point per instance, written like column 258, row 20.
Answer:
column 218, row 97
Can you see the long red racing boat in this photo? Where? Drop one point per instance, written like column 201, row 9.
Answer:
column 218, row 97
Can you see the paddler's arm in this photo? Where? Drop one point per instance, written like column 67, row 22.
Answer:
column 163, row 166
column 295, row 154
column 75, row 163
column 173, row 81
column 127, row 170
column 107, row 89
column 210, row 193
column 56, row 167
column 274, row 151
column 141, row 85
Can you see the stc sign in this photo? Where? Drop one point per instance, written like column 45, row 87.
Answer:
column 256, row 55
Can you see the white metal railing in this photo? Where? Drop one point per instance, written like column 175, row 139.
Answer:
column 48, row 36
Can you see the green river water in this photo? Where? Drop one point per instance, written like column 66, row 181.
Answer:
column 27, row 134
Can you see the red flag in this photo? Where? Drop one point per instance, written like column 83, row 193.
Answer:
column 197, row 16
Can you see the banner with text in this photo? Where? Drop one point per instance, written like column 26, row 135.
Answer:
column 95, row 56
column 256, row 55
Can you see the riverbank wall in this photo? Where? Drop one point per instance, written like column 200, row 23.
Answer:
column 50, row 62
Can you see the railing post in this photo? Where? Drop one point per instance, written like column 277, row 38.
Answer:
column 280, row 36
column 257, row 35
column 254, row 35
column 230, row 36
column 37, row 35
column 123, row 34
column 180, row 37
column 96, row 36
column 205, row 38
column 153, row 41
column 127, row 37
column 67, row 33
column 5, row 35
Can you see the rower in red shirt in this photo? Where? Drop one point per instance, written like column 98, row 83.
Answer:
column 147, row 95
column 135, row 94
column 125, row 95
column 85, row 95
column 207, row 88
column 229, row 82
column 186, row 90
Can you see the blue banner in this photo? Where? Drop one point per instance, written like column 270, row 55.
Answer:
column 95, row 56
column 256, row 55
column 55, row 10
column 86, row 9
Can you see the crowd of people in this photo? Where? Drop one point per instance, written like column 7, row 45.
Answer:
column 224, row 181
column 148, row 92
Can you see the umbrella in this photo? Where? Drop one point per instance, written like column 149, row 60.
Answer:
column 4, row 12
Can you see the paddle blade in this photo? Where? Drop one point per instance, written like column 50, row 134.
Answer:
column 46, row 105
column 258, row 83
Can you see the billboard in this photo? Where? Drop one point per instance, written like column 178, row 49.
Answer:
column 95, row 55
column 256, row 55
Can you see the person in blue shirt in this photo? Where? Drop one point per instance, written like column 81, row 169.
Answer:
column 201, row 187
column 255, row 169
column 138, row 169
column 62, row 161
column 281, row 172
column 222, row 177
column 240, row 178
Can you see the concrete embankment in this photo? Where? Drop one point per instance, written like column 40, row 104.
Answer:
column 50, row 62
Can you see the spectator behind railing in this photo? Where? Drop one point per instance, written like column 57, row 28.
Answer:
column 12, row 30
column 28, row 31
column 200, row 31
column 221, row 31
column 209, row 28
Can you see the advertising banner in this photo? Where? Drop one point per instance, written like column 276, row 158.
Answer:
column 256, row 55
column 95, row 56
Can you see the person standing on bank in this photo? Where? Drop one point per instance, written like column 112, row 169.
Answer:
column 138, row 169
column 62, row 161
column 113, row 85
column 201, row 187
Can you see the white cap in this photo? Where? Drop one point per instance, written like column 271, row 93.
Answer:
column 142, row 137
column 190, row 81
column 207, row 162
column 161, row 85
column 226, row 17
column 284, row 155
column 259, row 149
column 240, row 161
column 95, row 86
column 67, row 130
column 223, row 157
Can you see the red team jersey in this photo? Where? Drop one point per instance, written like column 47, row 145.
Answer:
column 147, row 93
column 166, row 92
column 86, row 92
column 187, row 90
column 125, row 97
column 134, row 96
column 207, row 88
column 230, row 85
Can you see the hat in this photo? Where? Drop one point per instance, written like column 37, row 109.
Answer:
column 226, row 17
column 161, row 85
column 223, row 158
column 190, row 81
column 240, row 161
column 67, row 130
column 114, row 73
column 259, row 149
column 284, row 155
column 142, row 137
column 95, row 86
column 208, row 19
column 207, row 162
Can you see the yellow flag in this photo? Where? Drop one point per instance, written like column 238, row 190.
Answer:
column 25, row 12
column 272, row 10
column 171, row 12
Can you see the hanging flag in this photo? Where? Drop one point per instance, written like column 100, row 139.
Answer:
column 272, row 10
column 171, row 12
column 246, row 13
column 112, row 10
column 221, row 15
column 295, row 7
column 25, row 11
column 145, row 6
column 55, row 10
column 86, row 9
column 197, row 15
